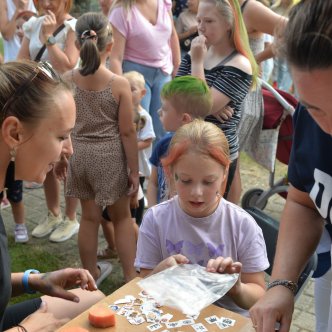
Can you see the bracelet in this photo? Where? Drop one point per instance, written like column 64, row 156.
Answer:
column 25, row 281
column 291, row 285
column 21, row 328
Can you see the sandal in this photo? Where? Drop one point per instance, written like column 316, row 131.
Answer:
column 106, row 253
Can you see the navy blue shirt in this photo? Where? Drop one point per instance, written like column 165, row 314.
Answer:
column 158, row 152
column 5, row 275
column 310, row 165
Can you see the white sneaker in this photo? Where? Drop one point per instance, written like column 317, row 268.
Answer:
column 66, row 229
column 21, row 233
column 105, row 270
column 47, row 226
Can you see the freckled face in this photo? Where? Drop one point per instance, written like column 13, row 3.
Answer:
column 198, row 178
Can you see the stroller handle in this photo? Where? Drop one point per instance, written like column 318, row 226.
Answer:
column 288, row 107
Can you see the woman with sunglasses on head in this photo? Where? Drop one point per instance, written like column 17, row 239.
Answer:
column 51, row 37
column 37, row 115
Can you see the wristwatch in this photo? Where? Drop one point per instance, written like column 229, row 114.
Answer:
column 50, row 41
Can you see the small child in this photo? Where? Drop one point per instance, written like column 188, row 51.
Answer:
column 198, row 225
column 183, row 99
column 104, row 169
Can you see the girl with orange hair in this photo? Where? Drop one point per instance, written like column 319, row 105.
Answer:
column 197, row 225
column 221, row 56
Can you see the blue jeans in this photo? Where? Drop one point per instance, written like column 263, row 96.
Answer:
column 155, row 79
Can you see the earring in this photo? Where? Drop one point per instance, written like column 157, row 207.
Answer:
column 12, row 153
column 218, row 194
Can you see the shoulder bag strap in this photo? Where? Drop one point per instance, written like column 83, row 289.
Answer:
column 42, row 50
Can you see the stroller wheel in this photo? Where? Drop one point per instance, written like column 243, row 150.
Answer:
column 251, row 198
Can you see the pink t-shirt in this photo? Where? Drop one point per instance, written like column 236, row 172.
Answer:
column 146, row 44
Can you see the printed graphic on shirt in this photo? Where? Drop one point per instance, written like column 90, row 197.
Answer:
column 321, row 194
column 196, row 253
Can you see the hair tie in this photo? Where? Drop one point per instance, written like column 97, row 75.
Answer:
column 89, row 34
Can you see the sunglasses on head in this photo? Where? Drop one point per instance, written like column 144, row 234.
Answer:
column 44, row 68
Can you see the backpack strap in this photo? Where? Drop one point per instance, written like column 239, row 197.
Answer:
column 42, row 50
column 243, row 5
column 228, row 57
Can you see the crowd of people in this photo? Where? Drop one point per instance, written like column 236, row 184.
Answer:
column 147, row 104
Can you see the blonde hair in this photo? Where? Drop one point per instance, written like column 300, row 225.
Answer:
column 230, row 10
column 126, row 4
column 201, row 137
column 136, row 78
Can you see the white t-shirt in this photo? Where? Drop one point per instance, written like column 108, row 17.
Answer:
column 32, row 31
column 145, row 133
column 11, row 47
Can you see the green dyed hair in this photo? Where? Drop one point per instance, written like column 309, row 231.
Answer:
column 188, row 94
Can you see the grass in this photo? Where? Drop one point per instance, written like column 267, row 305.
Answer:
column 45, row 256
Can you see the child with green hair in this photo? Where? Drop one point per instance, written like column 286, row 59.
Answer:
column 183, row 99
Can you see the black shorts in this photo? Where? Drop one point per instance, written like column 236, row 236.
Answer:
column 14, row 187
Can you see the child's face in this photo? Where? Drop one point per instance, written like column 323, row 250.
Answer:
column 169, row 117
column 19, row 31
column 198, row 180
column 212, row 24
column 137, row 93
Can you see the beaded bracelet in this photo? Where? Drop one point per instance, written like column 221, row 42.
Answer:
column 25, row 281
column 291, row 285
column 21, row 328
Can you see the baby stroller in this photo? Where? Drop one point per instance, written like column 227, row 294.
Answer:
column 275, row 142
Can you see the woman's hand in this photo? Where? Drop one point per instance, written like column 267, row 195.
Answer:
column 48, row 26
column 170, row 261
column 55, row 283
column 224, row 114
column 198, row 49
column 226, row 265
column 41, row 320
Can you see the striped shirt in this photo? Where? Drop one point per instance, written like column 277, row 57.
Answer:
column 232, row 82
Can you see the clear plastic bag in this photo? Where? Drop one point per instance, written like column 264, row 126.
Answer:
column 188, row 287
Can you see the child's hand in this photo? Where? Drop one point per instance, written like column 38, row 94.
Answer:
column 198, row 49
column 226, row 265
column 170, row 261
column 224, row 114
column 223, row 265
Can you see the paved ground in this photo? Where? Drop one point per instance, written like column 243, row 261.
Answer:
column 303, row 319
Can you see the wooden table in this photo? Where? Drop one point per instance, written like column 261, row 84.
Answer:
column 242, row 324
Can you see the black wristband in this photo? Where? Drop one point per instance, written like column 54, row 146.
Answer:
column 291, row 285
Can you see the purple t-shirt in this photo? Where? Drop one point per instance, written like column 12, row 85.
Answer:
column 146, row 44
column 229, row 232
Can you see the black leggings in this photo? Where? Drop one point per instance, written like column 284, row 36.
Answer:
column 15, row 313
column 231, row 173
